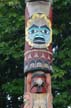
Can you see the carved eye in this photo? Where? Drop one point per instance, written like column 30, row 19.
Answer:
column 45, row 31
column 33, row 31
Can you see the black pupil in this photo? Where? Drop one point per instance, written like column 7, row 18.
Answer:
column 32, row 31
column 45, row 31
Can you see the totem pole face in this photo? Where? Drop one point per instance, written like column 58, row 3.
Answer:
column 38, row 31
column 38, row 84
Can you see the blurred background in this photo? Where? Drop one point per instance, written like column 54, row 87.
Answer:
column 12, row 27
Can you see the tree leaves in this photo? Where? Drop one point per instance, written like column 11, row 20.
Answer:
column 12, row 28
column 14, row 87
column 62, row 58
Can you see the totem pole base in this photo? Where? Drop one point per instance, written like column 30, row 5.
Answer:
column 36, row 100
column 39, row 101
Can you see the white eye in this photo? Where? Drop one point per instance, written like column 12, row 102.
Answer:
column 47, row 32
column 35, row 31
column 43, row 31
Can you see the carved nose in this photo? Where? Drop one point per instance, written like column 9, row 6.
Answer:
column 39, row 82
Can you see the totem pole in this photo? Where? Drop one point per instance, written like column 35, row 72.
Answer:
column 38, row 54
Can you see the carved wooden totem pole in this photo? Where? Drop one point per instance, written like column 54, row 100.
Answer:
column 38, row 54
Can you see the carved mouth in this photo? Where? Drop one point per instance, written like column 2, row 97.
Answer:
column 39, row 40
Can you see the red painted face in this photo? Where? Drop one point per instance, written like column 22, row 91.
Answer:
column 39, row 85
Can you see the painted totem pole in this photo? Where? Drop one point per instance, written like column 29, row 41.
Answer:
column 38, row 54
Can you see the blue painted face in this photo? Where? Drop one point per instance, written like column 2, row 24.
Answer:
column 39, row 34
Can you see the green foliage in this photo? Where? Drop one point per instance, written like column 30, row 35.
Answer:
column 11, row 38
column 11, row 45
column 61, row 79
column 12, row 29
column 14, row 87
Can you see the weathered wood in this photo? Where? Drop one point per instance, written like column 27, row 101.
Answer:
column 38, row 55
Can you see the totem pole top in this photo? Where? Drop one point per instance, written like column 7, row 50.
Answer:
column 38, row 0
